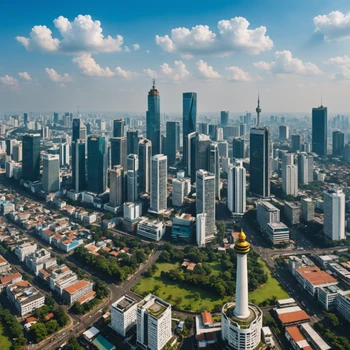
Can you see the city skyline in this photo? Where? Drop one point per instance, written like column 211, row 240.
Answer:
column 102, row 59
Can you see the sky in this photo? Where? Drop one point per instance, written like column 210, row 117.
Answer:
column 103, row 55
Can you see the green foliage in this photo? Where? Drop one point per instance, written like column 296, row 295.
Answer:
column 38, row 331
column 73, row 344
column 51, row 326
column 61, row 317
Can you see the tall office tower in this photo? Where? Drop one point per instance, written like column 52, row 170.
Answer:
column 79, row 130
column 307, row 209
column 97, row 164
column 260, row 162
column 9, row 146
column 145, row 164
column 214, row 166
column 258, row 111
column 241, row 321
column 296, row 142
column 159, row 192
column 132, row 140
column 153, row 120
column 338, row 143
column 51, row 172
column 17, row 152
column 203, row 128
column 46, row 132
column 189, row 121
column 153, row 325
column 116, row 184
column 201, row 220
column 212, row 131
column 242, row 129
column 172, row 138
column 283, row 132
column 64, row 154
column 238, row 148
column 133, row 178
column 118, row 128
column 319, row 130
column 31, row 157
column 25, row 118
column 236, row 188
column 55, row 118
column 205, row 200
column 118, row 151
column 223, row 148
column 347, row 152
column 305, row 168
column 178, row 194
column 334, row 214
column 224, row 118
column 219, row 134
column 79, row 165
column 88, row 128
column 247, row 119
column 290, row 180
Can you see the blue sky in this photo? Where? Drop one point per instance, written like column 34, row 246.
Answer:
column 103, row 60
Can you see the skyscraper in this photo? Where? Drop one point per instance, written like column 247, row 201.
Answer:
column 236, row 188
column 224, row 118
column 189, row 120
column 25, row 118
column 132, row 139
column 238, row 148
column 116, row 191
column 118, row 128
column 305, row 168
column 296, row 142
column 334, row 214
column 79, row 165
column 51, row 172
column 64, row 154
column 159, row 192
column 31, row 157
column 153, row 120
column 145, row 165
column 283, row 132
column 203, row 128
column 214, row 166
column 133, row 178
column 172, row 138
column 97, row 164
column 338, row 143
column 55, row 118
column 319, row 130
column 288, row 174
column 118, row 151
column 78, row 130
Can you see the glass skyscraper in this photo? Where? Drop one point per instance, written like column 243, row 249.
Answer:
column 79, row 165
column 338, row 143
column 153, row 120
column 319, row 130
column 118, row 128
column 172, row 139
column 31, row 157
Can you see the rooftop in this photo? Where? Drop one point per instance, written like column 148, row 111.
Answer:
column 315, row 276
column 298, row 338
column 76, row 286
column 124, row 303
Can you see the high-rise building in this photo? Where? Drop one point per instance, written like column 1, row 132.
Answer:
column 319, row 130
column 201, row 220
column 212, row 131
column 224, row 117
column 97, row 164
column 25, row 118
column 214, row 166
column 242, row 129
column 79, row 130
column 31, row 157
column 9, row 146
column 238, row 148
column 132, row 139
column 236, row 188
column 189, row 120
column 283, row 132
column 133, row 178
column 159, row 192
column 334, row 214
column 46, row 132
column 79, row 165
column 64, row 154
column 203, row 128
column 296, row 142
column 305, row 168
column 178, row 193
column 307, row 209
column 116, row 181
column 51, row 172
column 17, row 151
column 118, row 128
column 260, row 162
column 153, row 120
column 241, row 321
column 118, row 151
column 172, row 138
column 291, row 180
column 145, row 165
column 205, row 200
column 223, row 148
column 153, row 326
column 55, row 118
column 287, row 159
column 338, row 143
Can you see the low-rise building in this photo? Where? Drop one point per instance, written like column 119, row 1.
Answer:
column 76, row 290
column 4, row 265
column 291, row 316
column 41, row 259
column 313, row 337
column 21, row 251
column 277, row 233
column 296, row 339
column 292, row 212
column 343, row 304
column 328, row 297
column 10, row 279
column 183, row 226
column 151, row 229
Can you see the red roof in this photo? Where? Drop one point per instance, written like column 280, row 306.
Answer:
column 315, row 276
column 49, row 316
column 206, row 318
column 10, row 278
column 86, row 297
column 292, row 317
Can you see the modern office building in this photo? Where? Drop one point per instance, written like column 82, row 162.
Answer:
column 296, row 142
column 178, row 194
column 214, row 166
column 267, row 214
column 319, row 130
column 153, row 120
column 290, row 183
column 159, row 192
column 31, row 157
column 64, row 154
column 223, row 148
column 338, row 143
column 118, row 151
column 201, row 221
column 236, row 188
column 78, row 165
column 51, row 173
column 172, row 141
column 133, row 178
column 305, row 168
column 132, row 141
column 307, row 209
column 283, row 132
column 116, row 181
column 189, row 121
column 118, row 128
column 145, row 165
column 238, row 148
column 334, row 214
column 203, row 128
column 224, row 118
column 292, row 212
column 97, row 164
column 17, row 151
column 78, row 130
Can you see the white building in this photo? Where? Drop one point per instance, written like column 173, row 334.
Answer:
column 153, row 323
column 116, row 184
column 151, row 229
column 159, row 191
column 290, row 180
column 236, row 196
column 305, row 168
column 21, row 251
column 277, row 233
column 307, row 209
column 178, row 192
column 123, row 314
column 200, row 229
column 132, row 211
column 132, row 178
column 76, row 290
column 267, row 214
column 292, row 212
column 334, row 214
column 51, row 172
column 64, row 154
column 41, row 259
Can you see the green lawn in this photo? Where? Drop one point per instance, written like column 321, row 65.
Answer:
column 5, row 343
column 268, row 290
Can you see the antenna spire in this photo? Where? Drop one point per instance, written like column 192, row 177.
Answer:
column 258, row 111
column 153, row 84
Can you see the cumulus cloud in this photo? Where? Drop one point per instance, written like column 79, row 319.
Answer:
column 176, row 73
column 83, row 34
column 206, row 71
column 233, row 35
column 237, row 74
column 58, row 78
column 342, row 63
column 334, row 26
column 25, row 76
column 285, row 63
column 151, row 73
column 125, row 73
column 9, row 82
column 136, row 47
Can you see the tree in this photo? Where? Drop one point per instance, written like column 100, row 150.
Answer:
column 50, row 302
column 61, row 317
column 333, row 319
column 39, row 331
column 189, row 323
column 51, row 326
column 73, row 344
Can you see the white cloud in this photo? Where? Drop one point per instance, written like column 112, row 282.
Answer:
column 9, row 82
column 25, row 75
column 177, row 73
column 334, row 26
column 343, row 66
column 285, row 63
column 206, row 71
column 57, row 78
column 237, row 74
column 340, row 60
column 81, row 35
column 151, row 73
column 125, row 73
column 136, row 47
column 148, row 51
column 126, row 49
column 233, row 35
